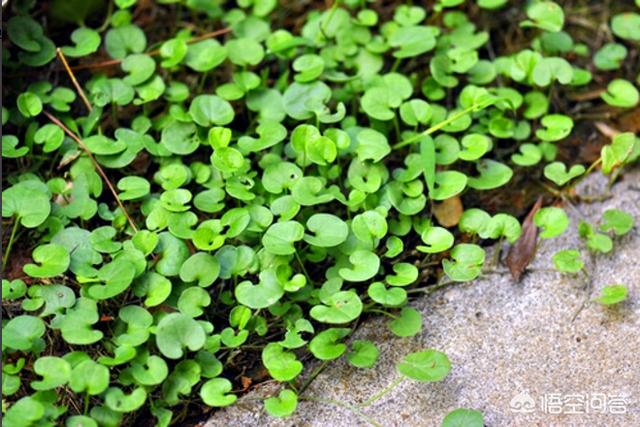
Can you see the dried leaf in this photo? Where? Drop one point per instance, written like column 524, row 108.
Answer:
column 629, row 121
column 523, row 251
column 448, row 212
column 246, row 382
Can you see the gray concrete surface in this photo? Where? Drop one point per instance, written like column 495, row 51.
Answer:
column 507, row 342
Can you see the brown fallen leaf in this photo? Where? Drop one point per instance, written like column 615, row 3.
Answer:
column 629, row 121
column 246, row 382
column 448, row 212
column 523, row 251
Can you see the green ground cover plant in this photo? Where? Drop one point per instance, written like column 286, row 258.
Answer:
column 202, row 194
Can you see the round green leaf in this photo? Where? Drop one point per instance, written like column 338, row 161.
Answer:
column 214, row 392
column 612, row 294
column 101, row 145
column 205, row 55
column 80, row 421
column 86, row 42
column 125, row 39
column 556, row 127
column 245, row 51
column 28, row 202
column 328, row 230
column 621, row 93
column 177, row 331
column 210, row 110
column 408, row 324
column 282, row 365
column 341, row 307
column 266, row 293
column 365, row 265
column 467, row 265
column 448, row 184
column 492, row 175
column 545, row 15
column 327, row 346
column 283, row 405
column 55, row 372
column 53, row 259
column 133, row 187
column 618, row 221
column 280, row 237
column 436, row 239
column 626, row 26
column 392, row 297
column 425, row 366
column 372, row 145
column 552, row 220
column 75, row 326
column 22, row 332
column 462, row 417
column 568, row 261
column 202, row 267
column 29, row 104
column 557, row 172
column 363, row 354
column 118, row 401
column 89, row 377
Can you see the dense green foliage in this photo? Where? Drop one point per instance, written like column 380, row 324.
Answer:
column 263, row 188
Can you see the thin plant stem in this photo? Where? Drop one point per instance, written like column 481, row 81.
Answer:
column 384, row 313
column 304, row 270
column 16, row 223
column 396, row 126
column 436, row 127
column 590, row 169
column 323, row 27
column 107, row 19
column 82, row 145
column 432, row 288
column 352, row 408
column 313, row 376
column 498, row 252
column 86, row 403
column 589, row 290
column 72, row 76
column 382, row 392
column 396, row 64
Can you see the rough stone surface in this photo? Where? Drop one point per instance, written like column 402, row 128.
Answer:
column 504, row 340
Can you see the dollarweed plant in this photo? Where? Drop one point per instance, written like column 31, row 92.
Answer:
column 198, row 196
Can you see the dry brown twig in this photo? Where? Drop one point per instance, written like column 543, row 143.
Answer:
column 606, row 130
column 154, row 52
column 79, row 141
column 82, row 145
column 72, row 76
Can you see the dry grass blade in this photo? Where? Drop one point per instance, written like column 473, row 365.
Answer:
column 73, row 79
column 77, row 139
